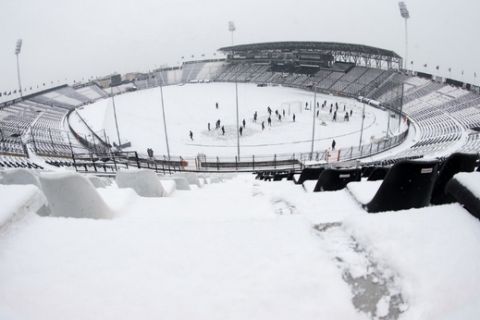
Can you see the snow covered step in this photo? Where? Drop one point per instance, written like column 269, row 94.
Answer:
column 72, row 195
column 18, row 200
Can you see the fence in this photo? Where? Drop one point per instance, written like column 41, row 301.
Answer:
column 111, row 162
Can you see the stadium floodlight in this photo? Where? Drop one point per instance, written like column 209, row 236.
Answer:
column 115, row 116
column 18, row 49
column 163, row 113
column 313, row 121
column 231, row 28
column 405, row 15
column 363, row 121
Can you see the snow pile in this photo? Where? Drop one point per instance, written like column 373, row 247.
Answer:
column 434, row 250
column 144, row 182
column 72, row 195
column 18, row 200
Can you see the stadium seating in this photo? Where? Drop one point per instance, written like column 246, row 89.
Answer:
column 308, row 174
column 462, row 187
column 334, row 179
column 144, row 182
column 456, row 162
column 408, row 184
column 378, row 173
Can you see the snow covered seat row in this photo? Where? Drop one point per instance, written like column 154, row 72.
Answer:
column 465, row 188
column 66, row 194
column 408, row 184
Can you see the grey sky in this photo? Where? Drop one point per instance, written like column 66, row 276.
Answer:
column 82, row 38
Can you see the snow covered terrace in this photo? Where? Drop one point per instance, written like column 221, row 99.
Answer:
column 227, row 247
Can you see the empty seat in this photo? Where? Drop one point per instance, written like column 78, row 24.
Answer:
column 72, row 195
column 408, row 184
column 456, row 162
column 144, row 182
column 191, row 177
column 378, row 173
column 181, row 183
column 307, row 174
column 336, row 179
column 19, row 176
column 463, row 187
column 99, row 182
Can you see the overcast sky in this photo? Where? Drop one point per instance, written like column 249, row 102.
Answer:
column 82, row 38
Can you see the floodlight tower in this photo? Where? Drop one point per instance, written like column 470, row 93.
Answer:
column 405, row 15
column 164, row 118
column 231, row 28
column 115, row 116
column 314, row 110
column 18, row 49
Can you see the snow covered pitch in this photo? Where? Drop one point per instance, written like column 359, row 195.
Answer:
column 191, row 107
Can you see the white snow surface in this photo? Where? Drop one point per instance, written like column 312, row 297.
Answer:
column 192, row 107
column 435, row 252
column 237, row 249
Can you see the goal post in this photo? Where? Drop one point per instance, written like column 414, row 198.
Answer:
column 292, row 107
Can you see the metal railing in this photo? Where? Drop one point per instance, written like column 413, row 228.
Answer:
column 114, row 161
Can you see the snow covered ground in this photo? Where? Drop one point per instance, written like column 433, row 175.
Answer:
column 242, row 249
column 192, row 107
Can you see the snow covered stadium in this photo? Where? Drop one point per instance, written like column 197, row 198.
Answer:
column 89, row 219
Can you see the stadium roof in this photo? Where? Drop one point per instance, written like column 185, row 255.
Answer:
column 311, row 45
